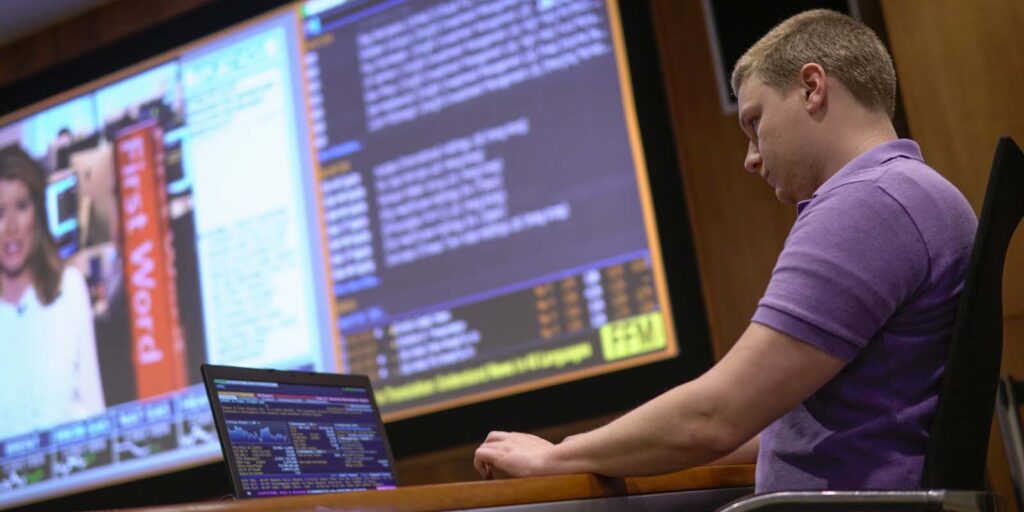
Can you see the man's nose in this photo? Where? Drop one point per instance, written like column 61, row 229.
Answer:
column 752, row 163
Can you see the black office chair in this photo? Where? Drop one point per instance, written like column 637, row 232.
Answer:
column 954, row 465
column 1007, row 410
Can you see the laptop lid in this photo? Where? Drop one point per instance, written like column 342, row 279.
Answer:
column 287, row 433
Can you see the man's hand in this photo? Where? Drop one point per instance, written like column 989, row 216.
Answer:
column 512, row 454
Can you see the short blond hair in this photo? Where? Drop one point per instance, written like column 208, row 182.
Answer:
column 846, row 48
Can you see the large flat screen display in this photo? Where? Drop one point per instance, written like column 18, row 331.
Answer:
column 449, row 196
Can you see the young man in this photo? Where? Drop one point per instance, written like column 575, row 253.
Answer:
column 840, row 367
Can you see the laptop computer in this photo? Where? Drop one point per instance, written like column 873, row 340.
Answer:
column 286, row 433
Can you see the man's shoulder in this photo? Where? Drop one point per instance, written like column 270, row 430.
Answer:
column 858, row 194
column 934, row 203
column 910, row 183
column 904, row 192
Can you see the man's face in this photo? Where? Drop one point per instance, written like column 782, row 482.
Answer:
column 780, row 149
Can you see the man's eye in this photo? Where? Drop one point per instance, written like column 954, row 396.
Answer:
column 754, row 123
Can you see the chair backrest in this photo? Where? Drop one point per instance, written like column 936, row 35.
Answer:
column 958, row 440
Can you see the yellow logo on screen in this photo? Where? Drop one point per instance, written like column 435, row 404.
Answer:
column 633, row 336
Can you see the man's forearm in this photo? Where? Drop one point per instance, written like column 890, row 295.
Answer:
column 666, row 434
column 764, row 375
column 745, row 454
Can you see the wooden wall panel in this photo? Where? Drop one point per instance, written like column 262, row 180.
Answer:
column 86, row 32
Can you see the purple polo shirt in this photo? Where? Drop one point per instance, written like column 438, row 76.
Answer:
column 870, row 273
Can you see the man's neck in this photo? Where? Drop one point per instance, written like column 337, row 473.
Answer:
column 856, row 138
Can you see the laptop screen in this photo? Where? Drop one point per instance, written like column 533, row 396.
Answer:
column 289, row 433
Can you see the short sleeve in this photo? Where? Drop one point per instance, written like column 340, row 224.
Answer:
column 853, row 257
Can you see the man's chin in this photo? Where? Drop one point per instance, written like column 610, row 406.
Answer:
column 783, row 197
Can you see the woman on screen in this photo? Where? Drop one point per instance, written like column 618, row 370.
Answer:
column 49, row 373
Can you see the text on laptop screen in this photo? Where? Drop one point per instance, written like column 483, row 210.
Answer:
column 289, row 439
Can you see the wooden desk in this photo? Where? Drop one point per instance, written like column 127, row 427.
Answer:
column 492, row 493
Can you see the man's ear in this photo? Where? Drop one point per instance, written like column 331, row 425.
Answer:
column 813, row 86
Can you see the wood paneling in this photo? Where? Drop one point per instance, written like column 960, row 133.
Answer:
column 1013, row 343
column 84, row 33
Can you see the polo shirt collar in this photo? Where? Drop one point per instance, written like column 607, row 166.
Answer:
column 870, row 159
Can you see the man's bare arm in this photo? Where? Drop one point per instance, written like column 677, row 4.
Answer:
column 766, row 374
column 745, row 454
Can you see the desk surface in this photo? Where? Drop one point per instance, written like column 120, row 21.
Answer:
column 492, row 493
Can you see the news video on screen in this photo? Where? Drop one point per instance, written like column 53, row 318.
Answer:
column 449, row 196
